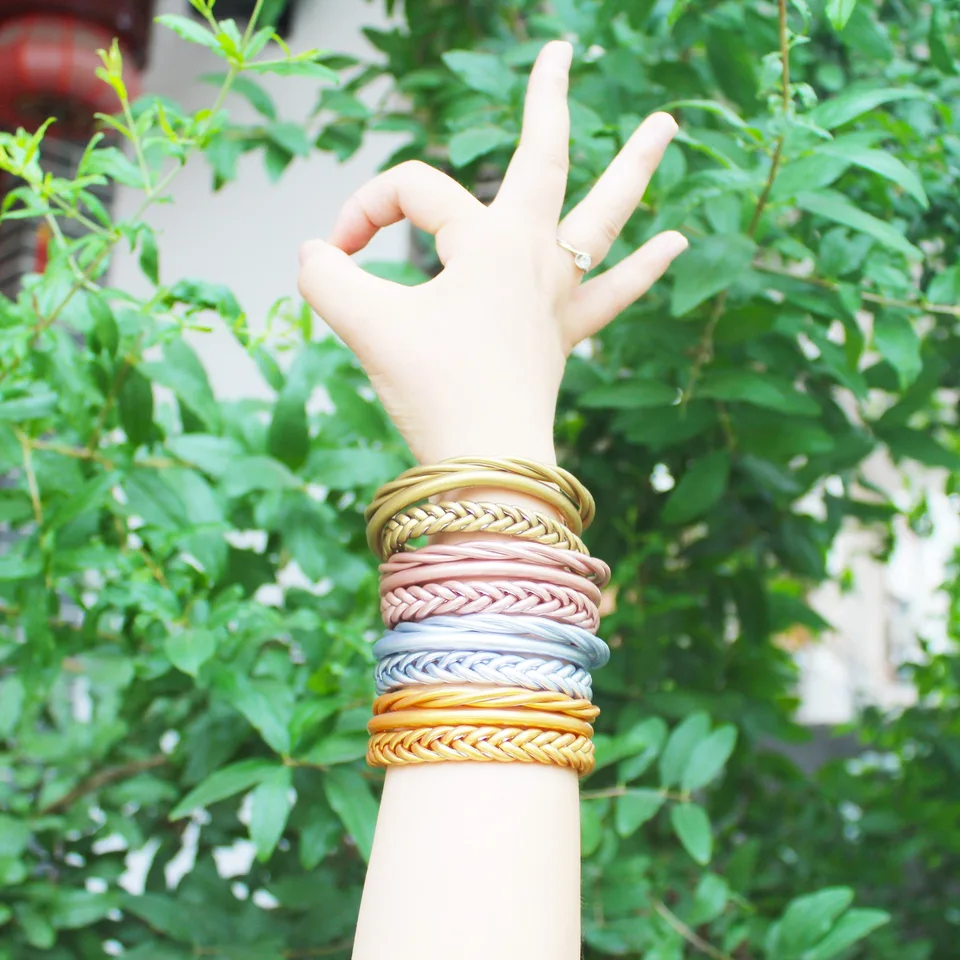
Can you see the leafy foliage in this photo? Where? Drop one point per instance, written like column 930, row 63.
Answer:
column 187, row 596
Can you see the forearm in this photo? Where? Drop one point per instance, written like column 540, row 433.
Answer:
column 474, row 860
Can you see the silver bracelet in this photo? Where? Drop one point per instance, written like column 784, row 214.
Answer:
column 474, row 666
column 396, row 641
column 595, row 650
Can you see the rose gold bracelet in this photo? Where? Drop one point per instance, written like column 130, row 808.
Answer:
column 540, row 554
column 465, row 516
column 478, row 717
column 461, row 597
column 490, row 570
column 482, row 745
column 476, row 696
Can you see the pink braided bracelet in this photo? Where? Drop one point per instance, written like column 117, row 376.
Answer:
column 488, row 570
column 546, row 599
column 496, row 550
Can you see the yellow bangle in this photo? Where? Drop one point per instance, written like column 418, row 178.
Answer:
column 552, row 484
column 448, row 695
column 483, row 745
column 479, row 717
column 464, row 516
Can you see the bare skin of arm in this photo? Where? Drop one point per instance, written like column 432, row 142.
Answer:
column 482, row 860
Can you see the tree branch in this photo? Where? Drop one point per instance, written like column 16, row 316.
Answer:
column 693, row 938
column 103, row 779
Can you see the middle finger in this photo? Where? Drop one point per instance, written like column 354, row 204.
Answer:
column 594, row 223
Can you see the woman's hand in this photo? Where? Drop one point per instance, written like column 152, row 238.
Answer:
column 470, row 363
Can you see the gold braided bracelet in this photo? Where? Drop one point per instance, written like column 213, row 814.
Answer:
column 465, row 516
column 447, row 695
column 478, row 717
column 553, row 485
column 482, row 744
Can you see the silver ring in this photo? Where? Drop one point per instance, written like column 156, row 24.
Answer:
column 392, row 643
column 581, row 258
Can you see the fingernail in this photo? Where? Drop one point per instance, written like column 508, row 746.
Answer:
column 676, row 243
column 562, row 52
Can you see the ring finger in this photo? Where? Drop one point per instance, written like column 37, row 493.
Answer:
column 594, row 223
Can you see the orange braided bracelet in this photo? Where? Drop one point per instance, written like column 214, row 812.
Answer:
column 446, row 696
column 481, row 744
column 478, row 717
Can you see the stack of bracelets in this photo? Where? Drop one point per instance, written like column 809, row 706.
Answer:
column 489, row 643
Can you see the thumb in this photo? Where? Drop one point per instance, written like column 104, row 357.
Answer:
column 342, row 293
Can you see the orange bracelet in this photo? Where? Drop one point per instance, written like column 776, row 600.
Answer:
column 477, row 717
column 481, row 744
column 444, row 696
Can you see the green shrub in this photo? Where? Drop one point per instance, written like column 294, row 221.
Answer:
column 158, row 688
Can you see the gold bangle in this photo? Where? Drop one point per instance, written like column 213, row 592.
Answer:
column 478, row 717
column 481, row 744
column 418, row 491
column 465, row 516
column 549, row 479
column 444, row 696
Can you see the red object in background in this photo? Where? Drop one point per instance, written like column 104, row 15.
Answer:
column 129, row 20
column 48, row 68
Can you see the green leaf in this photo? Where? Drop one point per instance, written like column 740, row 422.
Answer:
column 683, row 740
column 289, row 438
column 191, row 31
column 692, row 827
column 13, row 695
column 467, row 145
column 591, row 825
column 189, row 650
column 940, row 55
column 182, row 372
column 710, row 898
column 149, row 256
column 482, row 72
column 635, row 808
column 258, row 473
column 111, row 163
column 835, row 207
column 631, row 394
column 305, row 66
column 291, row 137
column 642, row 740
column 848, row 106
column 709, row 266
column 32, row 407
column 14, row 834
column 898, row 344
column 338, row 748
column 708, row 758
column 759, row 389
column 700, row 488
column 852, row 927
column 269, row 809
column 840, row 11
column 226, row 782
column 879, row 161
column 250, row 90
column 921, row 447
column 807, row 919
column 348, row 793
column 211, row 454
column 347, row 469
column 135, row 403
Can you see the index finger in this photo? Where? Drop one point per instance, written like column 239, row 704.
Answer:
column 536, row 179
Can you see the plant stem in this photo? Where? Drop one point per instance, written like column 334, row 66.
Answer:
column 252, row 23
column 693, row 938
column 623, row 791
column 705, row 351
column 24, row 441
column 103, row 779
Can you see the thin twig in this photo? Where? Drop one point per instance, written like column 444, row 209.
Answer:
column 693, row 938
column 103, row 779
column 24, row 441
column 623, row 791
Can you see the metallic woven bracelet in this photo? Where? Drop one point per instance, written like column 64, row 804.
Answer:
column 597, row 652
column 481, row 744
column 417, row 491
column 478, row 717
column 465, row 516
column 394, row 642
column 489, row 596
column 496, row 550
column 489, row 570
column 451, row 696
column 465, row 472
column 474, row 666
